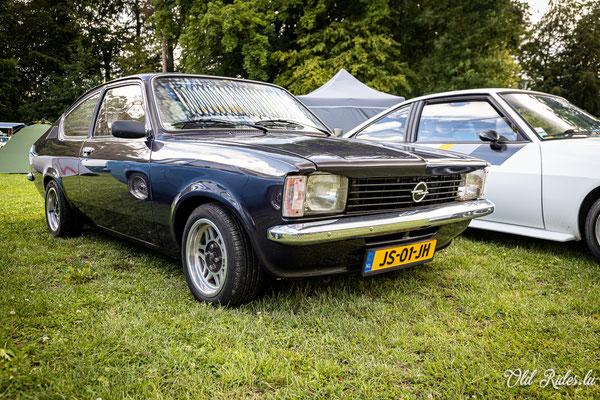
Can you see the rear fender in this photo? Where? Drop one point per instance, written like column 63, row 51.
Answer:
column 51, row 174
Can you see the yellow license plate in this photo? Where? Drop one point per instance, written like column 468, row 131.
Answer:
column 379, row 260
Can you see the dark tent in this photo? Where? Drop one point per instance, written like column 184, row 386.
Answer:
column 14, row 156
column 344, row 101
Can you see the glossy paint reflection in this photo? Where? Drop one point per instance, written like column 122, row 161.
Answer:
column 105, row 192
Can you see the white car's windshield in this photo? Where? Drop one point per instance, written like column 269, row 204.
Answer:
column 553, row 117
column 196, row 103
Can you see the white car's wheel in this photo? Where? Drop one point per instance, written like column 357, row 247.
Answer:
column 218, row 261
column 592, row 229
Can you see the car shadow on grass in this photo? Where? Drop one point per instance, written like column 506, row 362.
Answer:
column 336, row 286
column 351, row 284
column 572, row 248
column 348, row 287
column 132, row 249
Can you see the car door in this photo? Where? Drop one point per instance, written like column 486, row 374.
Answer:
column 115, row 185
column 73, row 130
column 514, row 179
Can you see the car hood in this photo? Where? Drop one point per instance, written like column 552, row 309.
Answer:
column 348, row 156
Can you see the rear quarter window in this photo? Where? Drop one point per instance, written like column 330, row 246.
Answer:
column 77, row 122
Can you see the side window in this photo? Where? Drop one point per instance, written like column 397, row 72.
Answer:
column 77, row 122
column 461, row 122
column 392, row 127
column 123, row 103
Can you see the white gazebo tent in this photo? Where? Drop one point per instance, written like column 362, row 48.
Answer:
column 344, row 101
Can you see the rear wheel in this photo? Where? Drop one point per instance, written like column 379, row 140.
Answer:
column 592, row 229
column 61, row 219
column 218, row 261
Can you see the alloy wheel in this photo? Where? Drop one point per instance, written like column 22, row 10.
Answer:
column 206, row 257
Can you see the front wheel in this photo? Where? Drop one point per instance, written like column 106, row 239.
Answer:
column 62, row 220
column 218, row 261
column 592, row 229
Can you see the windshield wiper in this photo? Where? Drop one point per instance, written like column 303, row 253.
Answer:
column 570, row 132
column 217, row 122
column 289, row 122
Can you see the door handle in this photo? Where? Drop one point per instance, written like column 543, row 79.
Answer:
column 88, row 150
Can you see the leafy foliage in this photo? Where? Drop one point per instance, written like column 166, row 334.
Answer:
column 35, row 50
column 352, row 35
column 461, row 45
column 562, row 55
column 397, row 46
column 228, row 39
column 53, row 50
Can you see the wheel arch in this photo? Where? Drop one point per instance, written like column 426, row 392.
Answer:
column 51, row 175
column 584, row 208
column 188, row 202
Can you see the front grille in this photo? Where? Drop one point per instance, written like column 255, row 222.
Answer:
column 387, row 194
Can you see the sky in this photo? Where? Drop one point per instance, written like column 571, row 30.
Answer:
column 537, row 9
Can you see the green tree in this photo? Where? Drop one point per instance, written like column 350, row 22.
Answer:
column 232, row 39
column 52, row 51
column 169, row 19
column 399, row 46
column 352, row 35
column 37, row 38
column 460, row 44
column 297, row 44
column 10, row 76
column 141, row 53
column 562, row 53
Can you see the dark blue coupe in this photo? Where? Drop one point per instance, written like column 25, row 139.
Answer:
column 239, row 179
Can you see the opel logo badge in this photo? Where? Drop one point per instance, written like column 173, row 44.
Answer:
column 419, row 192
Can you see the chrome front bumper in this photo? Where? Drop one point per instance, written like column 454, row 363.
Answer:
column 380, row 224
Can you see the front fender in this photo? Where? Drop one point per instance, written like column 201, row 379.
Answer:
column 212, row 191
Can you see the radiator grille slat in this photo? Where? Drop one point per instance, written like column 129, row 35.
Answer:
column 388, row 194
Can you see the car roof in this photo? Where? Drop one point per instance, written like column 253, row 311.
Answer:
column 149, row 76
column 479, row 91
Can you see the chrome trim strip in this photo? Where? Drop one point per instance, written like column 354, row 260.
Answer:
column 331, row 230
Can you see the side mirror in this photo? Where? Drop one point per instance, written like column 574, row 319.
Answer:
column 492, row 137
column 338, row 132
column 128, row 129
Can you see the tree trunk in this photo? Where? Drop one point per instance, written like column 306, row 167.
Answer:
column 138, row 20
column 164, row 52
column 106, row 59
column 170, row 58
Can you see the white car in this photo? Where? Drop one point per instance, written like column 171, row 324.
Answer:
column 544, row 152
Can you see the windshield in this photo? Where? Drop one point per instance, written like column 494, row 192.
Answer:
column 193, row 103
column 553, row 117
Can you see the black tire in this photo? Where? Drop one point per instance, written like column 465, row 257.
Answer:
column 61, row 219
column 219, row 263
column 592, row 229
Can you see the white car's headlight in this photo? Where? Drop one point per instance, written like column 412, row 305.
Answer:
column 315, row 194
column 472, row 185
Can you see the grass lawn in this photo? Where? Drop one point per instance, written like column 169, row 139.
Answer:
column 94, row 317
